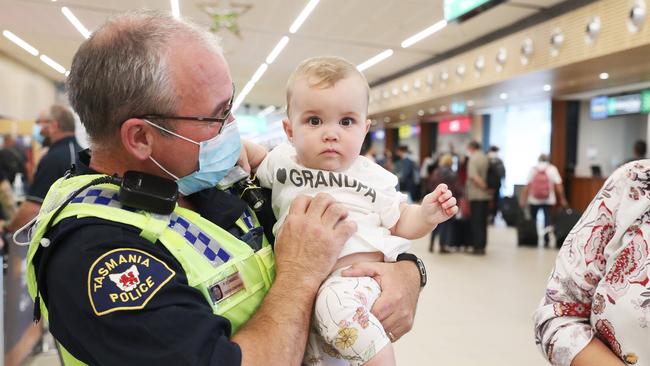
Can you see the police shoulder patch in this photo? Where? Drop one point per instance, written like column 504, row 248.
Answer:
column 125, row 279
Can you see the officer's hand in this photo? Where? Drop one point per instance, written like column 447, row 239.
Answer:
column 400, row 290
column 311, row 237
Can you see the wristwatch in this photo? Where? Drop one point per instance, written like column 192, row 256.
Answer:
column 418, row 262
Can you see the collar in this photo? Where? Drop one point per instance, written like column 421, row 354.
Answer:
column 222, row 208
column 64, row 141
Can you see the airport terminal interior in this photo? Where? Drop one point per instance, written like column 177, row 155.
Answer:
column 524, row 108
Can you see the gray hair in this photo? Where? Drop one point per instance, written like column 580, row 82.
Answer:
column 122, row 71
column 64, row 116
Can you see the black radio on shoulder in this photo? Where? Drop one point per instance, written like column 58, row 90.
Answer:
column 148, row 192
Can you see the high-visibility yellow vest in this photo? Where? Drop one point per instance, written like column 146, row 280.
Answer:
column 236, row 260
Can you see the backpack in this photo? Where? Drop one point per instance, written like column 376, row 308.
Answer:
column 496, row 172
column 540, row 185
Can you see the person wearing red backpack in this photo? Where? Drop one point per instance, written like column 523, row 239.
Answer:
column 544, row 186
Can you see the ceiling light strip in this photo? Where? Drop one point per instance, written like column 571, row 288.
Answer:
column 259, row 72
column 53, row 64
column 437, row 27
column 277, row 49
column 266, row 111
column 176, row 9
column 75, row 22
column 20, row 43
column 311, row 5
column 303, row 16
column 242, row 95
column 375, row 60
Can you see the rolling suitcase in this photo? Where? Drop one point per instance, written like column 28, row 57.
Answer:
column 565, row 220
column 510, row 210
column 527, row 232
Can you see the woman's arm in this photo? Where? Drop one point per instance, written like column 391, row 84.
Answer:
column 596, row 354
column 562, row 321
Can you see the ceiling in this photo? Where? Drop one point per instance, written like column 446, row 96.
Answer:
column 354, row 29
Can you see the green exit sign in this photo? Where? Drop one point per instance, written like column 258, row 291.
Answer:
column 645, row 101
column 464, row 9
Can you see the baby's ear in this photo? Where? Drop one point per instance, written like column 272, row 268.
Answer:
column 286, row 124
column 368, row 123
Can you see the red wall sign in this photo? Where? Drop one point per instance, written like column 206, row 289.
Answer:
column 456, row 125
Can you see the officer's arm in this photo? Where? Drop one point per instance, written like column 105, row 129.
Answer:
column 306, row 249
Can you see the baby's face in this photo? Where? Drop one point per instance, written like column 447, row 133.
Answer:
column 327, row 126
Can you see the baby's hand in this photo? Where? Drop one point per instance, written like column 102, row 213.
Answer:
column 439, row 205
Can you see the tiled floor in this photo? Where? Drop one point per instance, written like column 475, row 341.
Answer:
column 475, row 310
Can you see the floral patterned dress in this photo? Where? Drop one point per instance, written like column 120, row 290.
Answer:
column 599, row 286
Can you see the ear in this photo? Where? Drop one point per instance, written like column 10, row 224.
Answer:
column 368, row 122
column 137, row 138
column 286, row 124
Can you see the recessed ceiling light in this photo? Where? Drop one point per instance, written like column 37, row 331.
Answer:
column 470, row 103
column 603, row 76
column 503, row 96
column 443, row 108
column 386, row 119
column 421, row 113
column 546, row 87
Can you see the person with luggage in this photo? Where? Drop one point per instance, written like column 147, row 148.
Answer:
column 542, row 191
column 443, row 174
column 495, row 176
column 595, row 310
column 478, row 196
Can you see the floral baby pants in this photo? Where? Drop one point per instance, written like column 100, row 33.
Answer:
column 343, row 331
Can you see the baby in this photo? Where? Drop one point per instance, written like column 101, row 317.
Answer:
column 327, row 104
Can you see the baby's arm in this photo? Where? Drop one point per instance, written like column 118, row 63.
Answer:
column 251, row 155
column 415, row 221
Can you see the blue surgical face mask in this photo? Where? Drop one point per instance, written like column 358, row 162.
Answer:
column 36, row 134
column 216, row 156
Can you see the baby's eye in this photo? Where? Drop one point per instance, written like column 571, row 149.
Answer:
column 314, row 121
column 347, row 121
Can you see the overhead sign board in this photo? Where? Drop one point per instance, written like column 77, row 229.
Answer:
column 460, row 10
column 455, row 125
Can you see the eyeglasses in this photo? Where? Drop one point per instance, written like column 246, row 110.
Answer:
column 223, row 119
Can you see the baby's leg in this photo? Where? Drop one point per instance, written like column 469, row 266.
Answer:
column 346, row 327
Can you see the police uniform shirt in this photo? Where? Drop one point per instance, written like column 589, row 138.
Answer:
column 175, row 327
column 52, row 166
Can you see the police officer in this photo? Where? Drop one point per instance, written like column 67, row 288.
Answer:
column 122, row 285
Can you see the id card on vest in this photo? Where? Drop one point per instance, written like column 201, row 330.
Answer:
column 226, row 287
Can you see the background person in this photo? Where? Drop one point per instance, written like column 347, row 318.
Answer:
column 543, row 187
column 478, row 196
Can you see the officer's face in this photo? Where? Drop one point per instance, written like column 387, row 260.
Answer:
column 204, row 87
